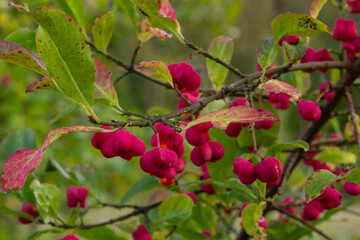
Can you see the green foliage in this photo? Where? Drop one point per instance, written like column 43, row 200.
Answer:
column 353, row 176
column 267, row 52
column 336, row 155
column 142, row 185
column 102, row 30
column 176, row 209
column 275, row 149
column 99, row 233
column 317, row 182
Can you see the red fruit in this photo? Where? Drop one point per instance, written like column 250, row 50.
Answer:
column 288, row 200
column 312, row 210
column 233, row 129
column 99, row 138
column 269, row 171
column 290, row 39
column 76, row 196
column 217, row 151
column 29, row 209
column 207, row 188
column 318, row 165
column 166, row 182
column 184, row 76
column 321, row 56
column 201, row 154
column 141, row 233
column 206, row 233
column 330, row 94
column 198, row 134
column 262, row 222
column 309, row 110
column 279, row 100
column 70, row 237
column 344, row 30
column 309, row 56
column 354, row 6
column 180, row 165
column 352, row 188
column 330, row 198
column 265, row 124
column 182, row 104
column 245, row 170
column 138, row 147
column 239, row 102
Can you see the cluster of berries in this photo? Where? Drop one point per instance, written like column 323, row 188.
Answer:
column 120, row 143
column 320, row 55
column 345, row 32
column 164, row 161
column 204, row 150
column 187, row 81
column 269, row 171
column 329, row 199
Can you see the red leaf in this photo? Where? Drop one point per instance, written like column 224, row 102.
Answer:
column 244, row 114
column 24, row 161
column 43, row 84
column 277, row 86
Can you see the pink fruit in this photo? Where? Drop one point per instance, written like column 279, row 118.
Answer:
column 269, row 171
column 141, row 233
column 344, row 30
column 312, row 210
column 352, row 188
column 99, row 138
column 309, row 110
column 330, row 198
column 323, row 55
column 290, row 39
column 265, row 124
column 245, row 170
column 217, row 150
column 76, row 196
column 207, row 188
column 262, row 222
column 309, row 56
column 279, row 100
column 239, row 102
column 184, row 76
column 29, row 209
column 288, row 200
column 201, row 154
column 354, row 6
column 233, row 129
column 198, row 134
column 70, row 237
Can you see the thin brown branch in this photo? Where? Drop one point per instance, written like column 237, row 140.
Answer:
column 290, row 215
column 353, row 116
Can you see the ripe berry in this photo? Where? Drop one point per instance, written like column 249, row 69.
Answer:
column 344, row 30
column 76, row 196
column 201, row 154
column 30, row 210
column 330, row 198
column 141, row 233
column 309, row 110
column 269, row 171
column 262, row 222
column 118, row 143
column 239, row 102
column 354, row 6
column 330, row 94
column 198, row 134
column 309, row 56
column 166, row 182
column 265, row 124
column 352, row 188
column 99, row 138
column 290, row 39
column 70, row 237
column 184, row 76
column 245, row 170
column 279, row 100
column 312, row 210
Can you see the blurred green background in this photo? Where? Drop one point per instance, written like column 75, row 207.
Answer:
column 26, row 119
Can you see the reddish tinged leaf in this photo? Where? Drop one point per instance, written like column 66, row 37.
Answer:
column 148, row 32
column 315, row 7
column 104, row 89
column 243, row 114
column 14, row 53
column 42, row 84
column 19, row 165
column 277, row 86
column 159, row 70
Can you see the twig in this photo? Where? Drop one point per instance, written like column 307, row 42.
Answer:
column 136, row 51
column 353, row 116
column 303, row 222
column 121, row 77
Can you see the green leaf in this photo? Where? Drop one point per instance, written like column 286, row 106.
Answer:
column 316, row 6
column 47, row 196
column 276, row 148
column 158, row 70
column 68, row 59
column 102, row 30
column 130, row 9
column 175, row 209
column 297, row 24
column 142, row 185
column 75, row 9
column 250, row 216
column 42, row 84
column 353, row 176
column 202, row 217
column 240, row 191
column 36, row 235
column 160, row 16
column 267, row 53
column 317, row 182
column 24, row 37
column 67, row 111
column 103, row 232
column 244, row 114
column 295, row 52
column 14, row 53
column 223, row 48
column 336, row 155
column 23, row 138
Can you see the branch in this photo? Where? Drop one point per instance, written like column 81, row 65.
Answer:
column 303, row 222
column 353, row 116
